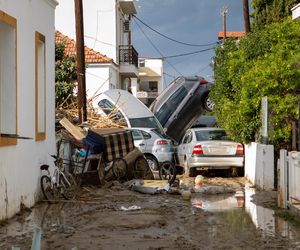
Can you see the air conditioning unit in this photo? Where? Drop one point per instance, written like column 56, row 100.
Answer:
column 126, row 26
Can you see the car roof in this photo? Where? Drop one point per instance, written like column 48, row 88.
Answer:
column 130, row 105
column 141, row 128
column 206, row 128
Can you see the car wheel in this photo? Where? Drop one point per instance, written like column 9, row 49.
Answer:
column 209, row 104
column 189, row 172
column 152, row 162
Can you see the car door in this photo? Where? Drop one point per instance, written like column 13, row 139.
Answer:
column 138, row 140
column 181, row 149
column 148, row 141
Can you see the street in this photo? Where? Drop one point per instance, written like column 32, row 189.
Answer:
column 117, row 218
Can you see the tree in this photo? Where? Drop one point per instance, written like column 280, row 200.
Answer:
column 269, row 11
column 65, row 76
column 264, row 63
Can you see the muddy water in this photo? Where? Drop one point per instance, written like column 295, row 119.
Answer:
column 236, row 211
column 242, row 220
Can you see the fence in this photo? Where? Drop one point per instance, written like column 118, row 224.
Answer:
column 289, row 177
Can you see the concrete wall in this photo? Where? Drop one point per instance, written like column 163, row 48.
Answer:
column 19, row 165
column 259, row 165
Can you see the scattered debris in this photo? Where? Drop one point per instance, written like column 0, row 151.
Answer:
column 134, row 207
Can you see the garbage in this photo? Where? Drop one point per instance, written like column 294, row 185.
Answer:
column 199, row 181
column 150, row 186
column 134, row 207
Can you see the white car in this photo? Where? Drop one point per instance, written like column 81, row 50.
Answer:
column 157, row 148
column 209, row 148
column 127, row 108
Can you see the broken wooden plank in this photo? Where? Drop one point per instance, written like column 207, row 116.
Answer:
column 75, row 131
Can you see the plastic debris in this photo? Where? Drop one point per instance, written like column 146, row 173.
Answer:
column 134, row 207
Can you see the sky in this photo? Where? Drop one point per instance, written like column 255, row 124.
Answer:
column 189, row 21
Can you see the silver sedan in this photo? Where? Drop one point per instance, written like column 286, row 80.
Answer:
column 209, row 148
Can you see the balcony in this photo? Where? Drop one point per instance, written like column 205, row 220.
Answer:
column 128, row 6
column 128, row 61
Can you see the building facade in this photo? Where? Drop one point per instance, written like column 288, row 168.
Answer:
column 107, row 29
column 27, row 100
column 151, row 82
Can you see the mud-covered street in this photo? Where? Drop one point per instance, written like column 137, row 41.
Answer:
column 117, row 218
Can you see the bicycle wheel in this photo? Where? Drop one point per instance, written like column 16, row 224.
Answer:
column 48, row 191
column 167, row 171
column 142, row 169
column 68, row 186
column 119, row 168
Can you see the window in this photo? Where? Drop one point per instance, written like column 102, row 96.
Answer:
column 141, row 62
column 40, row 87
column 210, row 135
column 112, row 111
column 145, row 122
column 136, row 135
column 8, row 79
column 146, row 135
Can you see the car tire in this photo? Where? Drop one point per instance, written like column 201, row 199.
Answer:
column 167, row 171
column 189, row 172
column 152, row 162
column 208, row 103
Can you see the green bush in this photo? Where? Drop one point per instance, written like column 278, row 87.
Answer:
column 263, row 63
column 65, row 76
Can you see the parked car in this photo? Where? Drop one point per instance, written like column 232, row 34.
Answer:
column 124, row 107
column 209, row 148
column 157, row 148
column 181, row 103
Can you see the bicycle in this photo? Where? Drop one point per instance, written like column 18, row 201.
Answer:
column 60, row 184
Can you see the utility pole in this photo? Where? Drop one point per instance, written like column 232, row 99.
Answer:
column 246, row 16
column 224, row 11
column 80, row 61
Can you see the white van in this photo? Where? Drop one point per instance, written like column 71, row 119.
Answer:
column 132, row 110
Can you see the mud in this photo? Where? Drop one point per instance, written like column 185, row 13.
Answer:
column 98, row 221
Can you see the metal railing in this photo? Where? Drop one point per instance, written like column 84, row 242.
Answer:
column 127, row 54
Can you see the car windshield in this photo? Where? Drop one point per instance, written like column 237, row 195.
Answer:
column 145, row 122
column 210, row 135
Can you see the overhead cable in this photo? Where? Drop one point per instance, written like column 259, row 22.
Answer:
column 172, row 39
column 189, row 53
column 153, row 45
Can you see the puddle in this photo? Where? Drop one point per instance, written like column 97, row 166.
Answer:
column 237, row 210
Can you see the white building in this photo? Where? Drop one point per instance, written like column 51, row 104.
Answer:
column 151, row 82
column 27, row 99
column 107, row 29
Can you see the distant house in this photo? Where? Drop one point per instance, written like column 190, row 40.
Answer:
column 27, row 100
column 233, row 34
column 101, row 72
column 151, row 81
column 107, row 29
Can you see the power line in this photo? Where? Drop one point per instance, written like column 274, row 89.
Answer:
column 153, row 45
column 189, row 53
column 172, row 39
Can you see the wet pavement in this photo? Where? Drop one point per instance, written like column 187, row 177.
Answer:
column 99, row 220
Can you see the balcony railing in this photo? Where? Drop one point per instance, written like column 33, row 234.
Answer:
column 127, row 54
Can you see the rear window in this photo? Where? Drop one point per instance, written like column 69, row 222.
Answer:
column 145, row 122
column 211, row 135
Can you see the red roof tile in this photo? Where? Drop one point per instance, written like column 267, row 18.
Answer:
column 231, row 34
column 91, row 56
